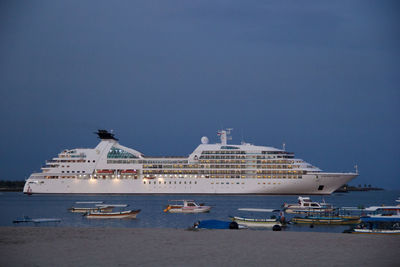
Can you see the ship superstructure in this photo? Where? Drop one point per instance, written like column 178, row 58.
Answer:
column 221, row 168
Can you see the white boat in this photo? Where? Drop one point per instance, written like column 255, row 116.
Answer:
column 378, row 225
column 383, row 212
column 98, row 207
column 219, row 168
column 259, row 222
column 89, row 209
column 187, row 206
column 305, row 205
column 131, row 214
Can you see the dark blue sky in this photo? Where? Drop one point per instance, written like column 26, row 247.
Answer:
column 321, row 76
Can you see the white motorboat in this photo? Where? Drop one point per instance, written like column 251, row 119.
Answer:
column 305, row 205
column 187, row 206
column 131, row 214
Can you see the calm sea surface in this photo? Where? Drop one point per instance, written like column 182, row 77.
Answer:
column 16, row 205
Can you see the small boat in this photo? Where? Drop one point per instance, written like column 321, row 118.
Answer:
column 105, row 171
column 305, row 205
column 260, row 222
column 250, row 222
column 375, row 225
column 187, row 206
column 217, row 224
column 131, row 214
column 383, row 212
column 128, row 171
column 98, row 207
column 326, row 219
column 90, row 209
column 27, row 219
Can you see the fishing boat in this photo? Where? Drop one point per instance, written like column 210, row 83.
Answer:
column 27, row 219
column 259, row 222
column 98, row 207
column 89, row 209
column 374, row 225
column 383, row 212
column 131, row 214
column 326, row 219
column 305, row 205
column 187, row 206
column 251, row 222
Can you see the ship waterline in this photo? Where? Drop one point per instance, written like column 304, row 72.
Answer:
column 111, row 168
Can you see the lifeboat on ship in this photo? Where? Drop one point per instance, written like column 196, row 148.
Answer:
column 105, row 171
column 128, row 172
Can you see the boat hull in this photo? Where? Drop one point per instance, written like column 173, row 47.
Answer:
column 268, row 223
column 113, row 215
column 376, row 231
column 325, row 221
column 310, row 184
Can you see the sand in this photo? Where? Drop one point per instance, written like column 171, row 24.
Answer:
column 59, row 246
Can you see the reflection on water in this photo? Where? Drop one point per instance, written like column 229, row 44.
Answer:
column 17, row 205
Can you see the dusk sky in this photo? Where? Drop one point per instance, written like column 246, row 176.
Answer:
column 321, row 76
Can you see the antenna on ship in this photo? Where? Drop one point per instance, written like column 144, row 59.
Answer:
column 356, row 167
column 284, row 146
column 224, row 135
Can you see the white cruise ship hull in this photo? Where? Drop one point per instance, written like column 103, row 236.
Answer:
column 111, row 168
column 319, row 184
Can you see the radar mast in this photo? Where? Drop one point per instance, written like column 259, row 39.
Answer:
column 224, row 135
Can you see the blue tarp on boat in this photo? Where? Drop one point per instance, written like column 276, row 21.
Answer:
column 216, row 224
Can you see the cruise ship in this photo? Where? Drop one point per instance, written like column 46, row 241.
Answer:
column 220, row 168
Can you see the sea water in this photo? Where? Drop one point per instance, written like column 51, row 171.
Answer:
column 15, row 205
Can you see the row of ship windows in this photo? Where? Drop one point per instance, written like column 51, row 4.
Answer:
column 208, row 166
column 244, row 152
column 171, row 176
column 264, row 159
column 131, row 161
column 217, row 183
column 223, row 172
column 73, row 161
column 170, row 182
column 175, row 164
column 219, row 162
column 242, row 157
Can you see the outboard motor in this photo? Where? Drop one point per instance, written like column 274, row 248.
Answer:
column 233, row 225
column 276, row 228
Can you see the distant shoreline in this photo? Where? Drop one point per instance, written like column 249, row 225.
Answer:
column 12, row 186
column 347, row 188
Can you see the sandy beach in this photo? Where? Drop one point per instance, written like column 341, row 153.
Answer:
column 59, row 246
